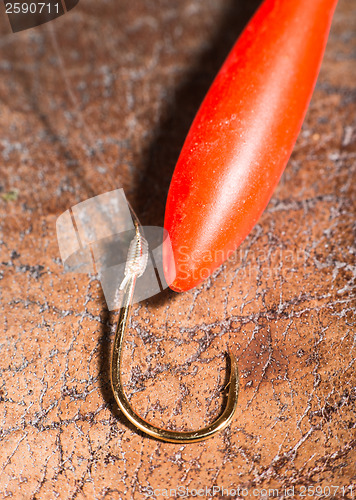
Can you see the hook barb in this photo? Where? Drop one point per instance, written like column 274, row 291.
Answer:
column 121, row 399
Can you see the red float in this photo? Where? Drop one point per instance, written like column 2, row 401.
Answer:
column 243, row 135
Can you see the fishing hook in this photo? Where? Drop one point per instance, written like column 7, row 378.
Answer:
column 135, row 267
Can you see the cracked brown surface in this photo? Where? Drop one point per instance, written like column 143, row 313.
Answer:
column 135, row 75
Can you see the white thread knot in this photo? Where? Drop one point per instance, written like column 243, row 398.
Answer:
column 137, row 258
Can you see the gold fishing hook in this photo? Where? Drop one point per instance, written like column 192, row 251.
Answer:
column 122, row 401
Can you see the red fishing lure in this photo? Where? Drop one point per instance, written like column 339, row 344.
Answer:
column 243, row 135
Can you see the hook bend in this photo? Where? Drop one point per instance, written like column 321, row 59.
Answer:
column 122, row 401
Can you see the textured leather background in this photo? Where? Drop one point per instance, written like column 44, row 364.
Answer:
column 102, row 98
